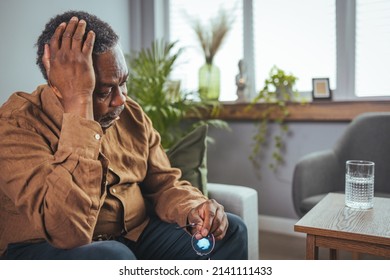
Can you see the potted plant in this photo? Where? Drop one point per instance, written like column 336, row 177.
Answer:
column 211, row 39
column 278, row 90
column 162, row 99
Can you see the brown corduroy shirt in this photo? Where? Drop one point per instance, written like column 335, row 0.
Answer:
column 64, row 180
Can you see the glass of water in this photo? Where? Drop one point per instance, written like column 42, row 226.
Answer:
column 359, row 184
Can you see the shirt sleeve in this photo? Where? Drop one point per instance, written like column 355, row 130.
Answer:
column 59, row 188
column 172, row 198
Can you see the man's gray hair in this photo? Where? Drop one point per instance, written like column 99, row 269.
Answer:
column 105, row 37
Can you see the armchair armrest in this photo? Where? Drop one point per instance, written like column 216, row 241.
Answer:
column 241, row 201
column 316, row 174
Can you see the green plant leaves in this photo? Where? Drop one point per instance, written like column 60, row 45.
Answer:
column 278, row 90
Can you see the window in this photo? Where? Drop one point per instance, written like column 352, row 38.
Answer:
column 345, row 41
column 297, row 36
column 372, row 48
column 181, row 11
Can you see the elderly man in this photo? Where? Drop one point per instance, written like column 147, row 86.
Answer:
column 81, row 163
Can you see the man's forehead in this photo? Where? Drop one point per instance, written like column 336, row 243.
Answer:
column 111, row 61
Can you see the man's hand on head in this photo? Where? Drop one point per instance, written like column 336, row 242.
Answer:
column 69, row 67
column 209, row 217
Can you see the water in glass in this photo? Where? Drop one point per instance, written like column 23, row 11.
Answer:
column 359, row 191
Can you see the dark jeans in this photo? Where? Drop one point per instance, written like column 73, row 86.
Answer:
column 159, row 241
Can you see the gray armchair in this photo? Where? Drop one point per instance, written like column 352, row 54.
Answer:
column 367, row 137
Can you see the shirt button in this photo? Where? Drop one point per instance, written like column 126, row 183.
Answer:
column 113, row 190
column 97, row 136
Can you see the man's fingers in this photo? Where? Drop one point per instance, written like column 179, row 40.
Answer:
column 89, row 42
column 77, row 40
column 209, row 217
column 214, row 220
column 67, row 36
column 219, row 228
column 208, row 214
column 55, row 41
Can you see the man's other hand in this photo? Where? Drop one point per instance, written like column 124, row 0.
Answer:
column 209, row 217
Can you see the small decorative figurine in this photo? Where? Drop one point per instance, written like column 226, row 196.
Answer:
column 242, row 83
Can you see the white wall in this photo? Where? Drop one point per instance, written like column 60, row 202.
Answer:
column 228, row 161
column 21, row 22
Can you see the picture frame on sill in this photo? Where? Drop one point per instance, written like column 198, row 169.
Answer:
column 321, row 89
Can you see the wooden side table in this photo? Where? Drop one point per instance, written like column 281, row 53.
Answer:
column 330, row 224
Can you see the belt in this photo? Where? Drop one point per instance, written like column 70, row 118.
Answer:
column 106, row 236
column 103, row 237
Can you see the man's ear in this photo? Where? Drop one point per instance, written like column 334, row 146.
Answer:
column 46, row 59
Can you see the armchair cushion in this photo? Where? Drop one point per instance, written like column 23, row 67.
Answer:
column 189, row 155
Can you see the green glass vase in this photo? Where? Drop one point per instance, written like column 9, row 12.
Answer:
column 209, row 82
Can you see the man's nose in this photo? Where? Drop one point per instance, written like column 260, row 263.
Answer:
column 119, row 98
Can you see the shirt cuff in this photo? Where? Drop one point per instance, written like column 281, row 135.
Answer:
column 80, row 136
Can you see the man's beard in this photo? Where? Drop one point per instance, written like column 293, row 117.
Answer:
column 107, row 120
